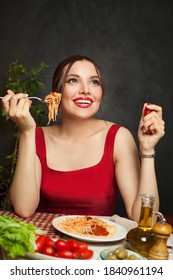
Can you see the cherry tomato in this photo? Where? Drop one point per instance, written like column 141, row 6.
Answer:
column 83, row 255
column 82, row 246
column 64, row 254
column 86, row 254
column 56, row 254
column 146, row 112
column 62, row 244
column 48, row 250
column 49, row 242
column 40, row 242
column 73, row 244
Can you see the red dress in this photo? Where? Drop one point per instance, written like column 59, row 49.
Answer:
column 87, row 191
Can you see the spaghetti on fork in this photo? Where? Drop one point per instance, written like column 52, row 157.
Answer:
column 53, row 100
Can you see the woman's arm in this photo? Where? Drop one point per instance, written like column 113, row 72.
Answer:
column 24, row 191
column 25, row 187
column 135, row 177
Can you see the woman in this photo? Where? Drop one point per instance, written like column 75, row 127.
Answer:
column 78, row 166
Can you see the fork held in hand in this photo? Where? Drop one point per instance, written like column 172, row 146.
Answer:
column 32, row 97
column 37, row 98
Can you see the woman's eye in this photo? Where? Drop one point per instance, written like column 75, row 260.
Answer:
column 72, row 80
column 95, row 82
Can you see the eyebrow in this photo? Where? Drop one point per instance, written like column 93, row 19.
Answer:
column 75, row 75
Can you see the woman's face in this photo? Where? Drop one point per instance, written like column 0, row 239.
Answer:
column 82, row 92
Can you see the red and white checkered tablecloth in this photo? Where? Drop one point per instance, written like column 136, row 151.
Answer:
column 40, row 220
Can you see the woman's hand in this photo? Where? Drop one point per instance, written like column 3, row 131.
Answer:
column 17, row 106
column 155, row 124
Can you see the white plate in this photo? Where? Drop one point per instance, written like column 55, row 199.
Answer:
column 120, row 230
column 38, row 256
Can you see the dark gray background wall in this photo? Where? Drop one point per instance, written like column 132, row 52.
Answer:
column 132, row 41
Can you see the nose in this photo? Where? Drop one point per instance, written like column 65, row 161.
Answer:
column 84, row 88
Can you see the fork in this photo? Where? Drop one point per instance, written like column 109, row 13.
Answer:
column 33, row 97
column 37, row 98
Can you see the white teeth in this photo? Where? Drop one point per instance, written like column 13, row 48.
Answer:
column 83, row 101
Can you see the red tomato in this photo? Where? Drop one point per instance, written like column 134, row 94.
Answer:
column 82, row 246
column 146, row 112
column 61, row 244
column 86, row 254
column 56, row 254
column 83, row 255
column 40, row 242
column 64, row 254
column 73, row 244
column 48, row 250
column 49, row 241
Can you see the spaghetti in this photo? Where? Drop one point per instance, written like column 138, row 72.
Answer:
column 53, row 100
column 88, row 226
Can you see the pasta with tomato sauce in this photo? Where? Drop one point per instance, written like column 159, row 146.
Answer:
column 53, row 100
column 88, row 226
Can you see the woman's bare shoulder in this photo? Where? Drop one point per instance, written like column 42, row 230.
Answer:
column 47, row 130
column 124, row 132
column 124, row 142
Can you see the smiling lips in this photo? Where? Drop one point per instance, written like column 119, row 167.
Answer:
column 83, row 102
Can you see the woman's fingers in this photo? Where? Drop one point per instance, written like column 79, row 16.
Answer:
column 13, row 103
column 17, row 104
column 153, row 120
column 153, row 123
column 6, row 99
column 153, row 107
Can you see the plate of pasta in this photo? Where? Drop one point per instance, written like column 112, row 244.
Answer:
column 89, row 228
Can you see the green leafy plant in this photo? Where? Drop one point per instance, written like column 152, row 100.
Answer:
column 19, row 79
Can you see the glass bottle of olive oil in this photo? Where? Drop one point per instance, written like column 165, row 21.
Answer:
column 142, row 238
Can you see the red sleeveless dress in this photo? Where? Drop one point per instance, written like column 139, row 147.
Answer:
column 87, row 191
